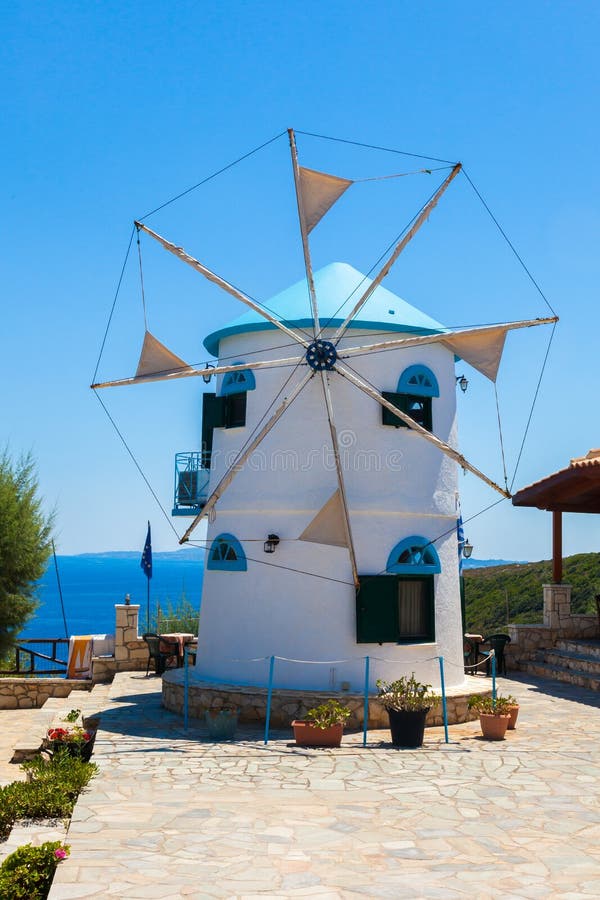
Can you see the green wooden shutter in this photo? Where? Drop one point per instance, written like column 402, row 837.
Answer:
column 235, row 410
column 213, row 416
column 417, row 407
column 377, row 609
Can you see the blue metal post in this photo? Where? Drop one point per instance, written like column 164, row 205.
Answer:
column 186, row 683
column 269, row 696
column 494, row 678
column 366, row 706
column 444, row 704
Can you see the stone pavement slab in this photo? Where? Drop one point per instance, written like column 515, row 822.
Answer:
column 172, row 814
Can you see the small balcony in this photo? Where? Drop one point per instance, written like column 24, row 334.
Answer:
column 192, row 474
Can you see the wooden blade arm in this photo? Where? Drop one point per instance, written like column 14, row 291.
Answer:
column 441, row 445
column 303, row 233
column 441, row 336
column 340, row 478
column 241, row 459
column 180, row 253
column 189, row 372
column 421, row 218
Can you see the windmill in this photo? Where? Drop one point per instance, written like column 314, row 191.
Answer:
column 362, row 564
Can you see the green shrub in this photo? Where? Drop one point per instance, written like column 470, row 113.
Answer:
column 51, row 790
column 181, row 616
column 327, row 714
column 28, row 872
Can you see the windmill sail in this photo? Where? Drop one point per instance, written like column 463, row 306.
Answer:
column 156, row 359
column 319, row 192
column 327, row 527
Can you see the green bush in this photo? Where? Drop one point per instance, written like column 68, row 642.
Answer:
column 28, row 872
column 181, row 616
column 51, row 790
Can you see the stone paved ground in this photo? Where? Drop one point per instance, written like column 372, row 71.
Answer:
column 13, row 724
column 172, row 815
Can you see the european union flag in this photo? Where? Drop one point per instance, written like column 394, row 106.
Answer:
column 146, row 561
column 460, row 534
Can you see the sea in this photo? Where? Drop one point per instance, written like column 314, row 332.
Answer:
column 92, row 583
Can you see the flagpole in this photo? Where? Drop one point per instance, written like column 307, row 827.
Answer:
column 148, row 605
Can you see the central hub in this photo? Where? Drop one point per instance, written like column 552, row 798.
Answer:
column 321, row 355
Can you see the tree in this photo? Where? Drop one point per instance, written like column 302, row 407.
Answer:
column 25, row 545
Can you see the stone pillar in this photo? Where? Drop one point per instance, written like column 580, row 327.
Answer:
column 126, row 629
column 557, row 604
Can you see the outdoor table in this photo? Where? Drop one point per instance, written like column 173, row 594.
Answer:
column 182, row 639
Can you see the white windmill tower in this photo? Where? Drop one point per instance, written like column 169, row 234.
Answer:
column 340, row 461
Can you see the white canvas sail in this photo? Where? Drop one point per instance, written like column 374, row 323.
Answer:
column 327, row 527
column 319, row 192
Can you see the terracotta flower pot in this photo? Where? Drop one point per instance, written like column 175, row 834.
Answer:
column 513, row 713
column 493, row 727
column 308, row 735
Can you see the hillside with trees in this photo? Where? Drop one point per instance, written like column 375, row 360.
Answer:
column 512, row 593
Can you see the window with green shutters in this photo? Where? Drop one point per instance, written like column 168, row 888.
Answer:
column 418, row 408
column 395, row 609
column 416, row 386
column 220, row 412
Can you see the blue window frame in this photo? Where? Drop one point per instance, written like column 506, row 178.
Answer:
column 226, row 554
column 419, row 381
column 415, row 555
column 236, row 382
column 416, row 386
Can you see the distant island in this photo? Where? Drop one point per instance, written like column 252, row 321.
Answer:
column 186, row 555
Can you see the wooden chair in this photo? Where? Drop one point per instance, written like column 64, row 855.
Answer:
column 161, row 650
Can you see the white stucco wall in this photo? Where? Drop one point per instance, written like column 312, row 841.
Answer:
column 397, row 485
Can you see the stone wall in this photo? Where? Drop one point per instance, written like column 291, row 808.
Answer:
column 287, row 705
column 32, row 693
column 558, row 624
column 131, row 651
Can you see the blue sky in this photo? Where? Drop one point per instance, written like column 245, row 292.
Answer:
column 110, row 109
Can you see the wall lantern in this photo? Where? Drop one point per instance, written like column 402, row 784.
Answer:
column 206, row 378
column 467, row 549
column 462, row 382
column 271, row 542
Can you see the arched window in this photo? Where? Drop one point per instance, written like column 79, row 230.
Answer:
column 414, row 555
column 399, row 607
column 416, row 386
column 236, row 382
column 418, row 380
column 226, row 554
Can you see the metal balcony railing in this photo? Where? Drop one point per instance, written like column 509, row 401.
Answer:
column 192, row 474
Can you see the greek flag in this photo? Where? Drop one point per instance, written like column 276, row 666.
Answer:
column 146, row 561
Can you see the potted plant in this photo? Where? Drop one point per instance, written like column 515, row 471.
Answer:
column 513, row 711
column 407, row 702
column 493, row 715
column 323, row 726
column 222, row 722
column 75, row 741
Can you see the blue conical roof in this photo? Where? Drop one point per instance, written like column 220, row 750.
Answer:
column 338, row 286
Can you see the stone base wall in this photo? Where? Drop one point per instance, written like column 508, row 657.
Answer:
column 32, row 693
column 287, row 705
column 559, row 624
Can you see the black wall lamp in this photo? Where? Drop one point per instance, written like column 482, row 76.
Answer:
column 206, row 378
column 271, row 542
column 467, row 549
column 462, row 382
